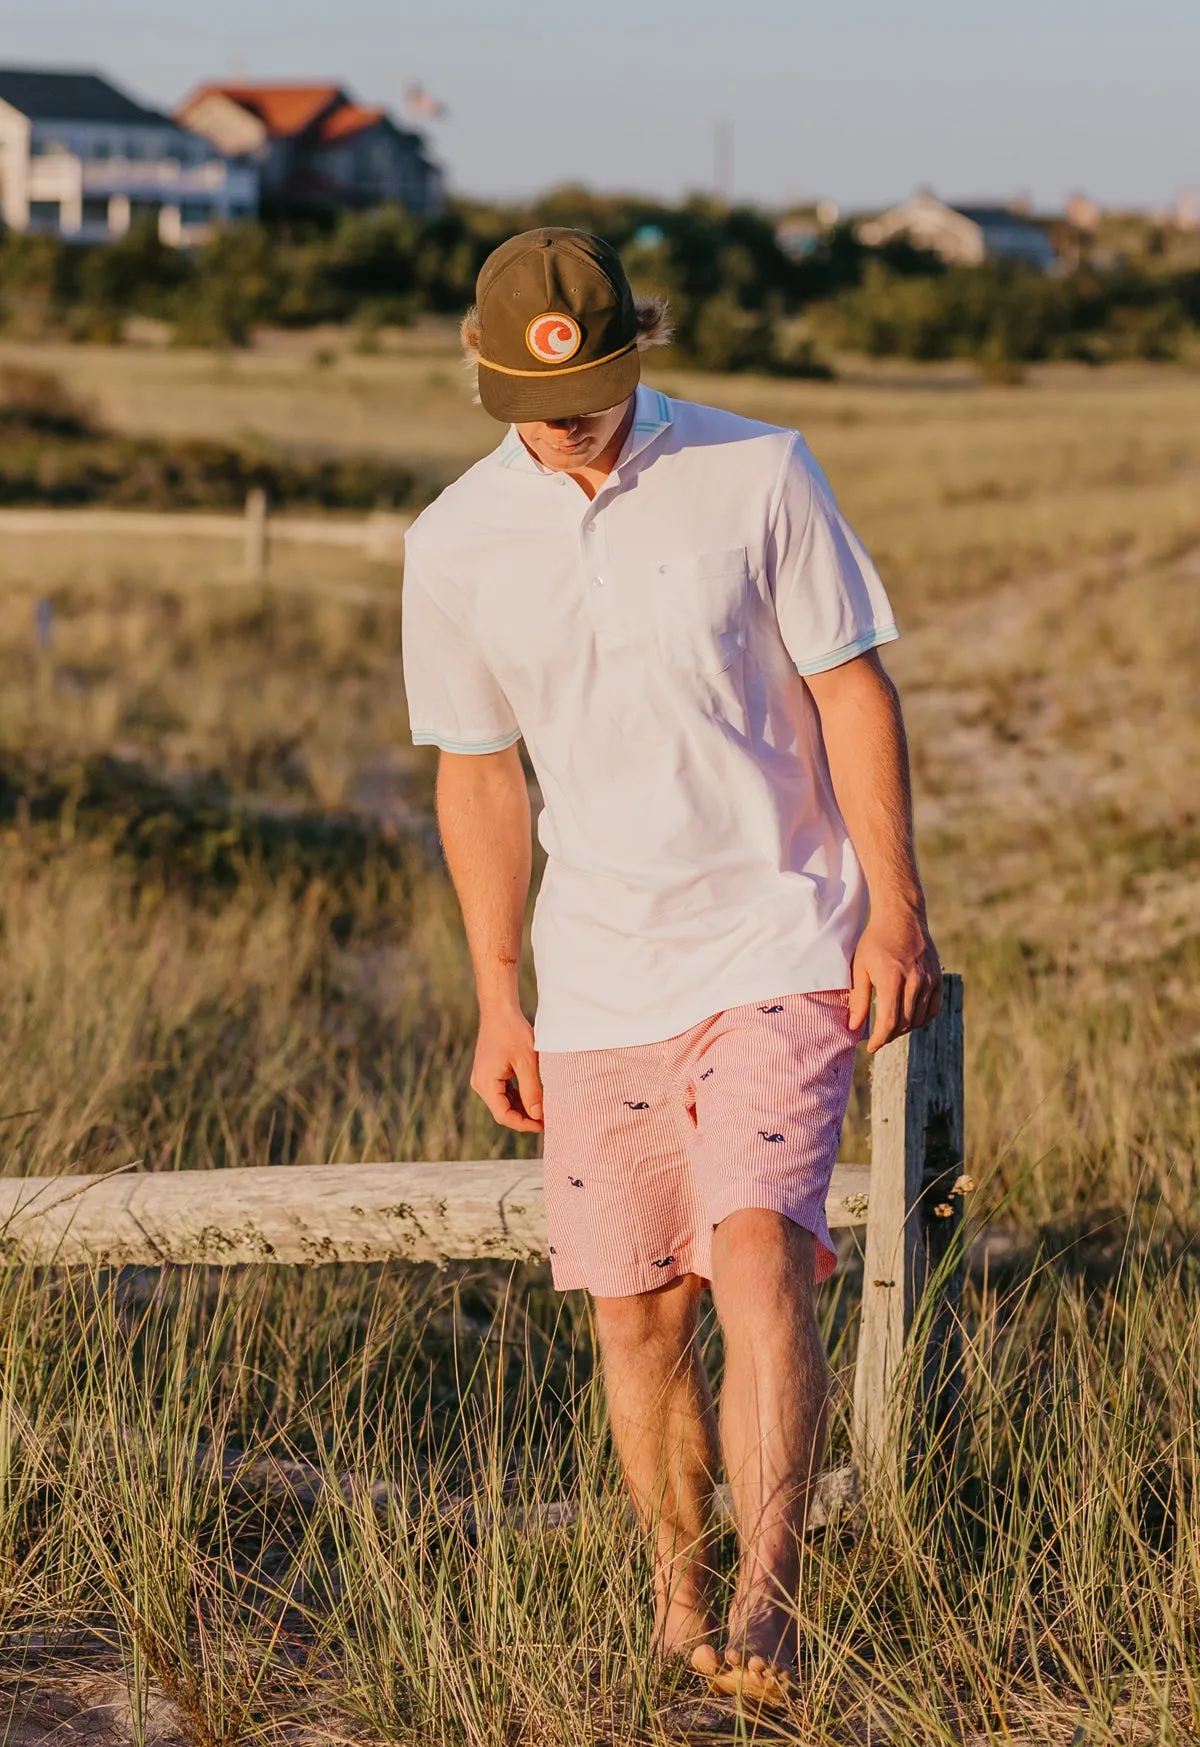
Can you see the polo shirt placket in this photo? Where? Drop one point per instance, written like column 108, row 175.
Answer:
column 607, row 606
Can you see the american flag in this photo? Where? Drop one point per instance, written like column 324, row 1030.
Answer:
column 420, row 102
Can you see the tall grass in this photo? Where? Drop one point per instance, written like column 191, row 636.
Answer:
column 419, row 1536
column 229, row 1027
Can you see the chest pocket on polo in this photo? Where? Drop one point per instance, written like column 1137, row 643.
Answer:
column 700, row 602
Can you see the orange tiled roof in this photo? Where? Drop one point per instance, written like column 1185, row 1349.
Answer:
column 283, row 109
column 348, row 118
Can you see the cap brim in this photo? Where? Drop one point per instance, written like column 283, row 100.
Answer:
column 521, row 400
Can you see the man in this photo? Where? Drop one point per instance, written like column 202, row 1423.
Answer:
column 663, row 601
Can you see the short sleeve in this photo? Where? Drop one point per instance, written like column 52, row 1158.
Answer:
column 829, row 600
column 454, row 700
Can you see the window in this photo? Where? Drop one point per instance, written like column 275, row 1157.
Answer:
column 195, row 212
column 95, row 210
column 45, row 215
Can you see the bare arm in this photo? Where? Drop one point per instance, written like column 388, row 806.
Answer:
column 483, row 816
column 868, row 762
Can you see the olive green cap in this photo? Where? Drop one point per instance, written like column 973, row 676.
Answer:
column 557, row 327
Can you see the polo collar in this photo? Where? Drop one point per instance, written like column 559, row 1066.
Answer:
column 513, row 453
column 651, row 417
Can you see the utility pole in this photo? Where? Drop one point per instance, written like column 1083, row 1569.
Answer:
column 723, row 161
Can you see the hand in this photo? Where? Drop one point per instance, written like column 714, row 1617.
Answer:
column 899, row 961
column 505, row 1071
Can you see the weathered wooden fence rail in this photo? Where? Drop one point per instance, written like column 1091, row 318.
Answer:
column 379, row 535
column 303, row 1214
column 909, row 1198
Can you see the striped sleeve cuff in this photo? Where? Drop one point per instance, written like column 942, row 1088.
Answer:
column 445, row 745
column 838, row 657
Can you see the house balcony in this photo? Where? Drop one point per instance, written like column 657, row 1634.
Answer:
column 96, row 199
column 167, row 179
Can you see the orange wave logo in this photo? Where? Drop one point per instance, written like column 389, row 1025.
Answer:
column 553, row 338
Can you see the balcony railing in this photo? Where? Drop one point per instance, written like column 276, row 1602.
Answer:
column 166, row 176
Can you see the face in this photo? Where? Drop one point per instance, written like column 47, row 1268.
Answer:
column 568, row 445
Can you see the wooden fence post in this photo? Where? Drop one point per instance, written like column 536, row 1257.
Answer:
column 916, row 1213
column 256, row 535
column 43, row 641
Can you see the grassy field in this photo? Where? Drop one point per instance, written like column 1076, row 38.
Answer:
column 227, row 940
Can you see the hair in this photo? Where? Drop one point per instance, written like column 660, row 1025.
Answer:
column 653, row 329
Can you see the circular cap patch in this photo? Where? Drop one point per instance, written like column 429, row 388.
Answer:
column 553, row 338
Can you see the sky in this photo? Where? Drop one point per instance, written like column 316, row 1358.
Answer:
column 856, row 101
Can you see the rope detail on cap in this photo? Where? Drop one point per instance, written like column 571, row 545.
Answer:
column 562, row 369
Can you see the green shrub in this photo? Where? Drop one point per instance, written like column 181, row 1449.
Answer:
column 727, row 337
column 1003, row 315
column 1153, row 331
column 732, row 288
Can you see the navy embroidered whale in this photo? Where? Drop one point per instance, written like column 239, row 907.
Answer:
column 767, row 1136
column 707, row 1072
column 640, row 1105
column 776, row 1007
column 665, row 1263
column 577, row 1182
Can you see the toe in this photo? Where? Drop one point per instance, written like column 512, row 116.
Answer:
column 755, row 1682
column 758, row 1682
column 776, row 1687
column 705, row 1660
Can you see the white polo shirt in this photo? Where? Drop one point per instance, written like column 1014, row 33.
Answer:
column 649, row 646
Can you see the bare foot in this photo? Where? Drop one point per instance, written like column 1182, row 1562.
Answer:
column 758, row 1666
column 682, row 1628
column 753, row 1680
column 760, row 1627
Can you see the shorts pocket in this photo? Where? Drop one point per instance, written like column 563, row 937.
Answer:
column 700, row 606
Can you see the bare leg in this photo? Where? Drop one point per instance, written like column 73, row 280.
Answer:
column 664, row 1429
column 774, row 1407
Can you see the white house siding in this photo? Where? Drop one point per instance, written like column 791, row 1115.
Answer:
column 86, row 180
column 964, row 236
column 930, row 224
column 14, row 167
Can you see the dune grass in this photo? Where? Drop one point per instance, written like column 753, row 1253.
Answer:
column 329, row 1506
column 228, row 939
